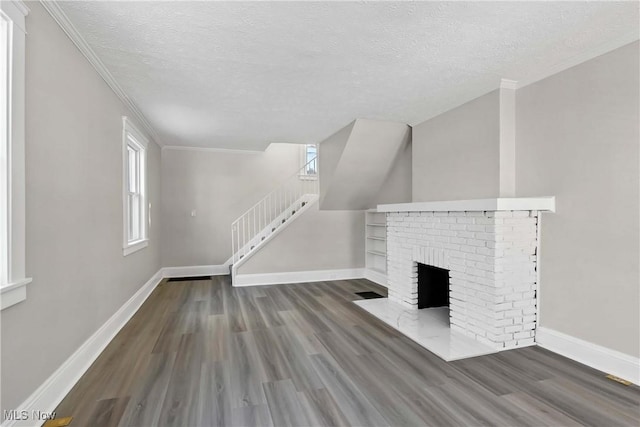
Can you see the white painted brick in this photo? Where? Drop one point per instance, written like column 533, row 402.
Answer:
column 492, row 263
column 500, row 214
column 464, row 220
column 478, row 243
column 526, row 342
column 513, row 328
column 523, row 335
column 485, row 236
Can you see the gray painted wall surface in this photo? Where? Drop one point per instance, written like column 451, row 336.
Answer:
column 74, row 212
column 317, row 240
column 396, row 187
column 220, row 186
column 365, row 162
column 329, row 154
column 577, row 139
column 456, row 155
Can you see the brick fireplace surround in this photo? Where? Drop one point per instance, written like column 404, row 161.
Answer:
column 490, row 248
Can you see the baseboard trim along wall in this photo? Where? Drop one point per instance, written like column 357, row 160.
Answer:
column 55, row 388
column 298, row 277
column 195, row 271
column 593, row 355
column 376, row 277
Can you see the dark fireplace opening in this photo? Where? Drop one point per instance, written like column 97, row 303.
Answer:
column 433, row 286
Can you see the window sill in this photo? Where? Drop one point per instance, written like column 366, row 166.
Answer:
column 305, row 177
column 135, row 247
column 13, row 293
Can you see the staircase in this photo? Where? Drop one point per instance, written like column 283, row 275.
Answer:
column 264, row 220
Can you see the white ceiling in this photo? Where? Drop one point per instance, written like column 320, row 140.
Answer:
column 244, row 74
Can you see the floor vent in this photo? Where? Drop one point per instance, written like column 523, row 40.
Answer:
column 188, row 279
column 369, row 295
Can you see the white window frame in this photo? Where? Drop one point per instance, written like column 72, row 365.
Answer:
column 304, row 175
column 13, row 279
column 134, row 139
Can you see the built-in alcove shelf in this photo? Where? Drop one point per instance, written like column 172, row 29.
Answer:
column 376, row 241
column 380, row 253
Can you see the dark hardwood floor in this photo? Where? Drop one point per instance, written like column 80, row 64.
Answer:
column 201, row 353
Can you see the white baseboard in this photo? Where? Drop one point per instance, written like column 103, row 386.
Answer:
column 195, row 271
column 376, row 277
column 55, row 388
column 297, row 277
column 593, row 355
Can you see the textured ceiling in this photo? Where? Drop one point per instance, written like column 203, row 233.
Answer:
column 245, row 74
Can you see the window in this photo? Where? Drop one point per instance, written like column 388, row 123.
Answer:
column 136, row 220
column 13, row 280
column 309, row 161
column 5, row 83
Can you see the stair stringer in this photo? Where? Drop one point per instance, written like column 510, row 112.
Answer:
column 311, row 200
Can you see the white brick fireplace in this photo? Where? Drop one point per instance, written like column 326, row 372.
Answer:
column 490, row 248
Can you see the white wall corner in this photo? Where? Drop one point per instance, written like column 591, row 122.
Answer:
column 593, row 355
column 50, row 393
column 376, row 277
column 507, row 138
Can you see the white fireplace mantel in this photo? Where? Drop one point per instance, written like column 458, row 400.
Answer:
column 497, row 204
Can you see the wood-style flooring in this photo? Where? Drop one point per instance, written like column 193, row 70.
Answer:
column 201, row 353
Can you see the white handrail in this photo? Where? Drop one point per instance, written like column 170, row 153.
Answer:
column 273, row 210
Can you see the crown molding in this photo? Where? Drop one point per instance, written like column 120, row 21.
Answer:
column 21, row 6
column 211, row 149
column 72, row 32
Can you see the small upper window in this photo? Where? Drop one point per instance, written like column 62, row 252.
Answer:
column 136, row 222
column 309, row 160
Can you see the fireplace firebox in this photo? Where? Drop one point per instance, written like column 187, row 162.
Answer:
column 433, row 286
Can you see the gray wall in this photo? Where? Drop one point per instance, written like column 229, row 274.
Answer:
column 74, row 212
column 396, row 187
column 577, row 139
column 329, row 153
column 364, row 163
column 456, row 155
column 220, row 186
column 317, row 240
